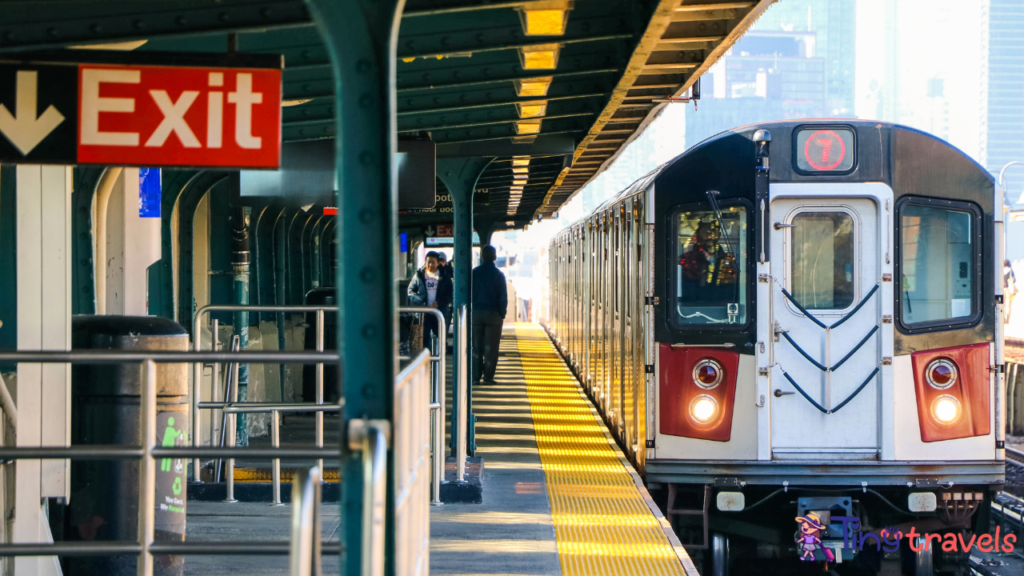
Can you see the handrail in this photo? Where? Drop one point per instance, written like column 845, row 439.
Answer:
column 460, row 414
column 438, row 356
column 304, row 551
column 197, row 375
column 10, row 409
column 371, row 437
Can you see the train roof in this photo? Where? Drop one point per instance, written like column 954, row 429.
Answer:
column 779, row 127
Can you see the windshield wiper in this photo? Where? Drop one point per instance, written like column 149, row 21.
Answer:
column 713, row 200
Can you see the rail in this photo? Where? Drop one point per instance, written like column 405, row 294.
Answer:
column 371, row 437
column 437, row 362
column 144, row 546
column 305, row 543
column 462, row 378
column 197, row 378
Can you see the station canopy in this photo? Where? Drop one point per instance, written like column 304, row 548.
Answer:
column 552, row 89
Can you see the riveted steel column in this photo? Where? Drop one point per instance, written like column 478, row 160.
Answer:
column 360, row 36
column 240, row 283
column 459, row 176
column 83, row 299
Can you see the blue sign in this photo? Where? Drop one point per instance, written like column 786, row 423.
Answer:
column 403, row 240
column 149, row 192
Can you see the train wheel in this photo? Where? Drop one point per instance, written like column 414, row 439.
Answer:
column 719, row 555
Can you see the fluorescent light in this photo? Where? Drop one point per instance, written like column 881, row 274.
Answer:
column 528, row 127
column 532, row 109
column 539, row 56
column 520, row 160
column 545, row 18
column 532, row 87
column 520, row 169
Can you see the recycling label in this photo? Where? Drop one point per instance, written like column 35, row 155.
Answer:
column 171, row 473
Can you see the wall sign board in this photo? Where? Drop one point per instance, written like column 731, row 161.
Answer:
column 141, row 114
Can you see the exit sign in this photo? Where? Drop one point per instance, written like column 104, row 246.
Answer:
column 141, row 114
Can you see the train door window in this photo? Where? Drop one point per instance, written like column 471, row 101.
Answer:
column 711, row 269
column 939, row 261
column 823, row 267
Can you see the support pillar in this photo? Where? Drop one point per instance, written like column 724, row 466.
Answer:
column 44, row 323
column 485, row 227
column 240, row 284
column 361, row 36
column 459, row 176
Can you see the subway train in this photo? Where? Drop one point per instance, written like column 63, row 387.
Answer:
column 793, row 331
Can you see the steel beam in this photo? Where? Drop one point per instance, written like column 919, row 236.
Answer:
column 361, row 36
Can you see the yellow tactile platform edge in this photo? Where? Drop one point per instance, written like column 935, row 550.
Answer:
column 266, row 475
column 602, row 523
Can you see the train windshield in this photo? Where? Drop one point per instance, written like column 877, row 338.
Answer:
column 937, row 259
column 711, row 271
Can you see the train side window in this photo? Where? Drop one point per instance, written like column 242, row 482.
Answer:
column 823, row 266
column 940, row 248
column 711, row 266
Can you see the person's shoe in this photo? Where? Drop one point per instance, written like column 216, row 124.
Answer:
column 488, row 382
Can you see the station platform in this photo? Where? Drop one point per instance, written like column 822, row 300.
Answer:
column 559, row 497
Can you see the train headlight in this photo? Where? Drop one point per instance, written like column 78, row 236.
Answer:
column 946, row 409
column 941, row 374
column 708, row 374
column 703, row 408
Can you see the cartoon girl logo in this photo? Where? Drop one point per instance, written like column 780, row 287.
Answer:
column 809, row 538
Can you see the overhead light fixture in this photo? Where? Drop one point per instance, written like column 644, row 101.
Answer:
column 539, row 56
column 528, row 127
column 533, row 87
column 520, row 160
column 510, row 223
column 546, row 18
column 521, row 170
column 532, row 109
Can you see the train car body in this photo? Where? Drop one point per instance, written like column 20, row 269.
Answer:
column 797, row 317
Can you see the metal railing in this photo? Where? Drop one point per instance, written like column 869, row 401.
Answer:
column 198, row 369
column 144, row 546
column 304, row 559
column 437, row 362
column 412, row 468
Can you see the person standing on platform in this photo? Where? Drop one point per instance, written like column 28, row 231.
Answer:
column 490, row 302
column 428, row 289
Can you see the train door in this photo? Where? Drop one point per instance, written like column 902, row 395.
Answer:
column 602, row 263
column 616, row 360
column 826, row 307
column 628, row 347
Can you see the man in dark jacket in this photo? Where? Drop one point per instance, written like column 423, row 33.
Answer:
column 429, row 287
column 490, row 301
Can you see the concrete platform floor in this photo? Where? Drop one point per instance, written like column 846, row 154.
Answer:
column 511, row 532
column 250, row 522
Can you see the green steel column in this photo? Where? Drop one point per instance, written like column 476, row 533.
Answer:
column 459, row 176
column 240, row 284
column 361, row 37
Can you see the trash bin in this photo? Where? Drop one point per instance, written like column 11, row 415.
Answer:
column 105, row 410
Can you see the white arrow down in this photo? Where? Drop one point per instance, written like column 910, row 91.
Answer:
column 24, row 129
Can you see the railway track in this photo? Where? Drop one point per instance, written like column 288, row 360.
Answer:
column 1014, row 456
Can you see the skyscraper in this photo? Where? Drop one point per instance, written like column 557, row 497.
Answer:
column 797, row 61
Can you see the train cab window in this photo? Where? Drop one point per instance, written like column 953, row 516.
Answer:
column 711, row 267
column 939, row 245
column 822, row 270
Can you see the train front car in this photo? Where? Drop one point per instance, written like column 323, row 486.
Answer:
column 825, row 374
column 816, row 313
